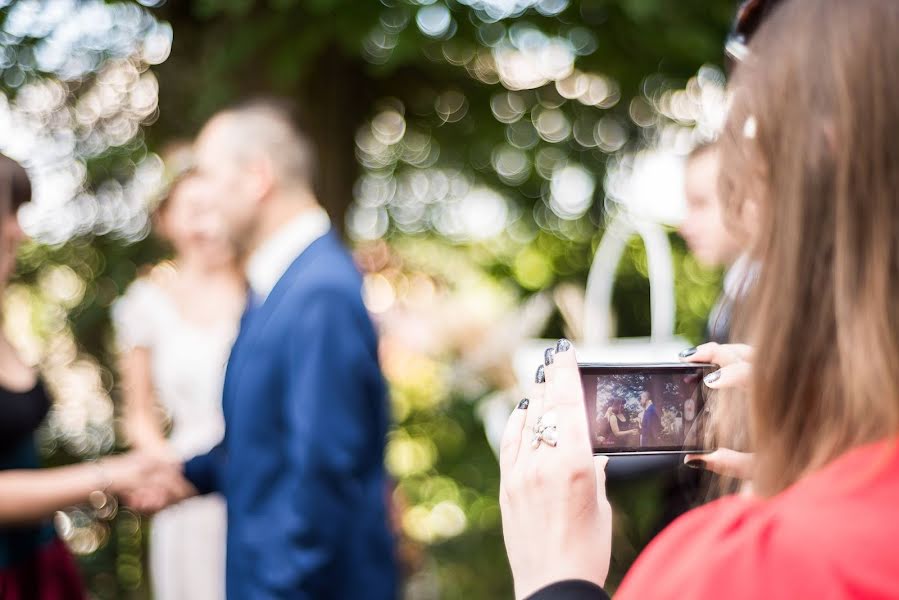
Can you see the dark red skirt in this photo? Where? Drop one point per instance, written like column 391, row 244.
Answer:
column 50, row 575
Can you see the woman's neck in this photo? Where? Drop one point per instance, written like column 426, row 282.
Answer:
column 198, row 269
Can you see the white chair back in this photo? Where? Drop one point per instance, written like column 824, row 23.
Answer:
column 598, row 343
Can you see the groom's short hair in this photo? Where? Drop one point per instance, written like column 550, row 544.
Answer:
column 268, row 127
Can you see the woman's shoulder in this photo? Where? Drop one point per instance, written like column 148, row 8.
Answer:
column 152, row 283
column 731, row 548
column 833, row 530
column 161, row 277
column 142, row 309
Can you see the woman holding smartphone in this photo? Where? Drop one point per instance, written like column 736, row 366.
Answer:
column 34, row 563
column 810, row 169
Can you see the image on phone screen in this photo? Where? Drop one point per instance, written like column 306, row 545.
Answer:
column 648, row 409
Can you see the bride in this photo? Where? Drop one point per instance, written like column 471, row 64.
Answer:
column 175, row 327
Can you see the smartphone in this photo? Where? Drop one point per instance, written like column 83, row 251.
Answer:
column 647, row 408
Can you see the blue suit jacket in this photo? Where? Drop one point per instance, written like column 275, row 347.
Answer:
column 301, row 463
column 651, row 428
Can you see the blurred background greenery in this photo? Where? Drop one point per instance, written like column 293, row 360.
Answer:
column 466, row 151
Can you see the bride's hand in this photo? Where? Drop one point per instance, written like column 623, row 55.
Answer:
column 145, row 482
column 735, row 361
column 557, row 522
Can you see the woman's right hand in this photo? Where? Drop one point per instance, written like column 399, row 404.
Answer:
column 557, row 521
column 735, row 362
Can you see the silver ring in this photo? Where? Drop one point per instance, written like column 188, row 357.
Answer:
column 546, row 431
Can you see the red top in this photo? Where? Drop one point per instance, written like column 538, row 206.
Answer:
column 835, row 534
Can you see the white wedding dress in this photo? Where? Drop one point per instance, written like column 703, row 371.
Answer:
column 187, row 541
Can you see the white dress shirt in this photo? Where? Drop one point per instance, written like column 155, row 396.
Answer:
column 270, row 260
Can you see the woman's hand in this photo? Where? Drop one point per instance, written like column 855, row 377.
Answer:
column 557, row 522
column 146, row 482
column 735, row 361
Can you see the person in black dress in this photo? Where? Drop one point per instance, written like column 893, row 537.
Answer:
column 34, row 563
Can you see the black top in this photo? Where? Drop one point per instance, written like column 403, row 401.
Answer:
column 626, row 424
column 573, row 589
column 20, row 415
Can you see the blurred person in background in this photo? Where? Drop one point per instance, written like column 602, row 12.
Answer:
column 175, row 327
column 34, row 563
column 710, row 240
column 809, row 175
column 714, row 245
column 305, row 404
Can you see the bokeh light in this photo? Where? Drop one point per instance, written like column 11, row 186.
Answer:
column 98, row 94
column 571, row 191
column 434, row 20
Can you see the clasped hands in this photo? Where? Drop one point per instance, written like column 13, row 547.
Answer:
column 146, row 482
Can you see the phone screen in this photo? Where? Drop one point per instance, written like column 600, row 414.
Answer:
column 648, row 409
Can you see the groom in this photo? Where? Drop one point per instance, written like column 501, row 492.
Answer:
column 301, row 463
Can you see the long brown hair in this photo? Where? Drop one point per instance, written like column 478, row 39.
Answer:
column 812, row 144
column 15, row 187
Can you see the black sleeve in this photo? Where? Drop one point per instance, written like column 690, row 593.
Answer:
column 573, row 589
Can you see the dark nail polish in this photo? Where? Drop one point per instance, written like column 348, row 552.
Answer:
column 523, row 405
column 696, row 463
column 688, row 352
column 712, row 377
column 563, row 345
column 548, row 356
column 541, row 376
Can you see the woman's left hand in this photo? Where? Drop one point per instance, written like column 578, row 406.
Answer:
column 735, row 372
column 557, row 521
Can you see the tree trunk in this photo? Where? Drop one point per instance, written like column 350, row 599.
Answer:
column 334, row 104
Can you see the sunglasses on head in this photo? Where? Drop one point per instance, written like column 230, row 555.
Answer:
column 749, row 17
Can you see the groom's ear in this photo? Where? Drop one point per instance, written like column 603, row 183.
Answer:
column 261, row 180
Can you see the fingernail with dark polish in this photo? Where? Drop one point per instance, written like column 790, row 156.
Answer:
column 563, row 345
column 688, row 352
column 523, row 405
column 712, row 377
column 696, row 463
column 541, row 376
column 548, row 356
